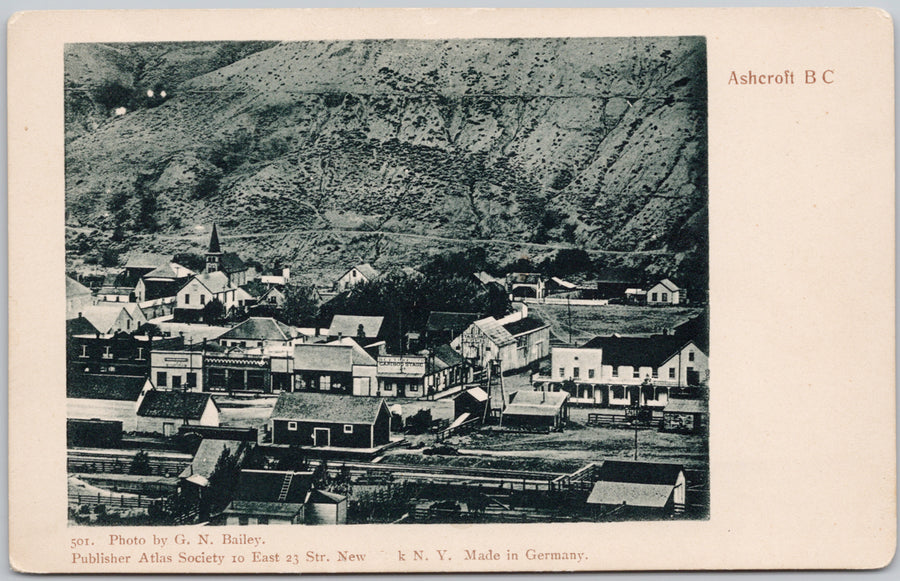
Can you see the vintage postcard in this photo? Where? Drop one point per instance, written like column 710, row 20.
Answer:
column 451, row 290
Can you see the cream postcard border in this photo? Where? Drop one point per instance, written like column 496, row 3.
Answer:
column 801, row 182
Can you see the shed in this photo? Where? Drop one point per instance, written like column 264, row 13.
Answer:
column 325, row 508
column 649, row 489
column 536, row 410
column 164, row 411
column 685, row 415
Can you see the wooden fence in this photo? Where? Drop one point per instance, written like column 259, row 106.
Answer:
column 112, row 500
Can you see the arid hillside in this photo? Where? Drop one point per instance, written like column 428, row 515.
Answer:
column 323, row 153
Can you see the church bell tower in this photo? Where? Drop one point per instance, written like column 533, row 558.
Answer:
column 214, row 254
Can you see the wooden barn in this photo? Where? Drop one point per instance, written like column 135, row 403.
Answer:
column 332, row 421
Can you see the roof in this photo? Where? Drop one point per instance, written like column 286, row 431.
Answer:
column 637, row 351
column 216, row 282
column 162, row 271
column 485, row 278
column 254, row 507
column 146, row 260
column 448, row 356
column 214, row 247
column 330, row 408
column 563, row 283
column 323, row 357
column 630, row 494
column 696, row 328
column 367, row 270
column 207, row 455
column 494, row 331
column 448, row 321
column 231, row 263
column 348, row 326
column 103, row 317
column 75, row 288
column 108, row 387
column 639, row 472
column 324, row 497
column 668, row 284
column 525, row 325
column 687, row 406
column 475, row 393
column 255, row 288
column 174, row 404
column 80, row 326
column 260, row 328
column 552, row 399
column 157, row 289
column 523, row 278
column 359, row 356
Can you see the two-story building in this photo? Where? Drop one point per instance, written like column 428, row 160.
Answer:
column 117, row 353
column 623, row 371
column 516, row 341
column 201, row 290
column 339, row 367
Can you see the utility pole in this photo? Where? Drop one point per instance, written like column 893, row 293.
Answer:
column 569, row 308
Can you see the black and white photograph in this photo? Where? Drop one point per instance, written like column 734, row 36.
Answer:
column 387, row 281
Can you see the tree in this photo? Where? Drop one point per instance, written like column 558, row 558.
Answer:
column 140, row 464
column 190, row 260
column 213, row 312
column 300, row 304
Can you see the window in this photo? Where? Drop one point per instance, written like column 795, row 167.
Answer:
column 202, row 299
column 191, row 379
column 243, row 520
column 140, row 353
column 576, row 372
column 160, row 379
column 83, row 351
column 325, row 382
column 348, row 428
column 671, row 373
column 128, row 324
column 292, row 426
column 615, row 372
column 263, row 520
column 590, row 374
column 106, row 353
column 655, row 373
column 168, row 429
column 176, row 382
column 562, row 371
column 653, row 297
column 690, row 355
column 665, row 297
column 187, row 299
column 413, row 387
column 636, row 373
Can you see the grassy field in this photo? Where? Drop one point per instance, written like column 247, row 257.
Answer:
column 588, row 322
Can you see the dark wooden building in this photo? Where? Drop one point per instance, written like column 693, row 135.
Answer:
column 326, row 420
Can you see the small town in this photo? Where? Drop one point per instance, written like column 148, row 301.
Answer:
column 213, row 389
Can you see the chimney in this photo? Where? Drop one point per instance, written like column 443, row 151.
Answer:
column 286, row 273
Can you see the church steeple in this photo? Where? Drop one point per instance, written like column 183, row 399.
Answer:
column 214, row 254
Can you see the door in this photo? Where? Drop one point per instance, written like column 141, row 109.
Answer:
column 176, row 382
column 168, row 429
column 321, row 437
